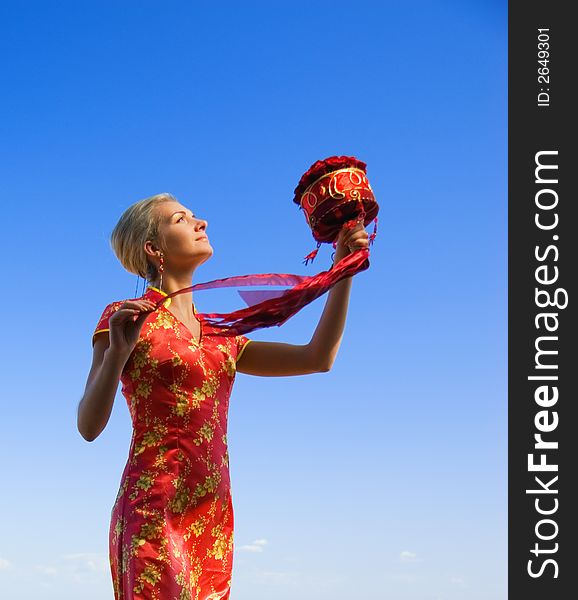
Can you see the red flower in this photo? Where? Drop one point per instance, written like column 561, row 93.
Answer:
column 322, row 167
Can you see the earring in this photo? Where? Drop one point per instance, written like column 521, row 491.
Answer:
column 161, row 269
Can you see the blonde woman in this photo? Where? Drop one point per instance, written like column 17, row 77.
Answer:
column 171, row 528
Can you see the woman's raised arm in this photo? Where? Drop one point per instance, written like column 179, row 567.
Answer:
column 275, row 359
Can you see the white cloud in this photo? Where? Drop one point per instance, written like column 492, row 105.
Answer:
column 86, row 568
column 255, row 546
column 46, row 570
column 90, row 561
column 5, row 565
column 251, row 548
column 407, row 556
column 320, row 580
column 261, row 541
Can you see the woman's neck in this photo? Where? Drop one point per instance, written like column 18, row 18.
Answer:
column 182, row 303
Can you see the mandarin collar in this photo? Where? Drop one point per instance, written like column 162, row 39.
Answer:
column 156, row 294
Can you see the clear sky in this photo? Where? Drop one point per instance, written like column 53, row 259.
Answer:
column 384, row 478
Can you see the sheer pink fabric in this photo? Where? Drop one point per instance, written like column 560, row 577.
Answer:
column 267, row 308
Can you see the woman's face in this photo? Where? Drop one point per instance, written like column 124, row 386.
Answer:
column 182, row 236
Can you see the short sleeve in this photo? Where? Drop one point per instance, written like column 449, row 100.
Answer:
column 241, row 341
column 102, row 324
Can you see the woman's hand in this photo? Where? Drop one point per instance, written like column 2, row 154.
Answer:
column 125, row 325
column 350, row 240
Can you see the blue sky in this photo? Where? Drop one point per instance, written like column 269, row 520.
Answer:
column 383, row 478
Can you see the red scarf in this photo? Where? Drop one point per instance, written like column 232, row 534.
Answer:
column 268, row 308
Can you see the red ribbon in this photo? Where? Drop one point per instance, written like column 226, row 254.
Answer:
column 279, row 305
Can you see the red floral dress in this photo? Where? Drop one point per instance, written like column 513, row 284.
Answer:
column 171, row 529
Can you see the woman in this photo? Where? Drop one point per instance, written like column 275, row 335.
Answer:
column 171, row 529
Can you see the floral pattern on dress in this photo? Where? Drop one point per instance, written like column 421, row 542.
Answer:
column 171, row 527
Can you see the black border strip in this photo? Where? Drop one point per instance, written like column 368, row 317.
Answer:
column 541, row 268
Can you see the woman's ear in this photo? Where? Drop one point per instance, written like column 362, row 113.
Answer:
column 151, row 249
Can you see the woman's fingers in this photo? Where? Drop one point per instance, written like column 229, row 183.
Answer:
column 142, row 304
column 359, row 239
column 139, row 316
column 349, row 231
column 123, row 314
column 132, row 309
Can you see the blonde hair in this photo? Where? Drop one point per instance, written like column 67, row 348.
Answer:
column 139, row 223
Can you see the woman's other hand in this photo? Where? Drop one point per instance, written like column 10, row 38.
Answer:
column 125, row 325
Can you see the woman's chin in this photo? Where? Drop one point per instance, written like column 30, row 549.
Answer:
column 206, row 255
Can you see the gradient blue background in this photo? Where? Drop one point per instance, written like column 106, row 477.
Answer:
column 384, row 478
